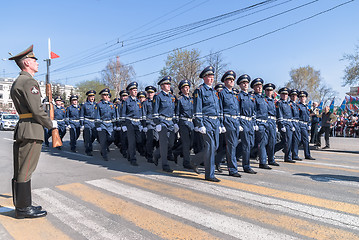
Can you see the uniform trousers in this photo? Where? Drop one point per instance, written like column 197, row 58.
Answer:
column 286, row 142
column 105, row 138
column 89, row 135
column 247, row 141
column 166, row 142
column 296, row 139
column 186, row 134
column 26, row 156
column 261, row 141
column 304, row 139
column 272, row 139
column 74, row 135
column 210, row 145
column 134, row 139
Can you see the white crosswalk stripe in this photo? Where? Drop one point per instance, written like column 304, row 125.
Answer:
column 83, row 220
column 317, row 214
column 227, row 225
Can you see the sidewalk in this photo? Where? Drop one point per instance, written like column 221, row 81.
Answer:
column 341, row 144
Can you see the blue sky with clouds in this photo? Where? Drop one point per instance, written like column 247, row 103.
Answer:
column 81, row 30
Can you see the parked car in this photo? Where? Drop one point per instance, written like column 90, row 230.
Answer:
column 8, row 121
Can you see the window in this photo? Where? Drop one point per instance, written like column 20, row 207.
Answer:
column 10, row 105
column 1, row 87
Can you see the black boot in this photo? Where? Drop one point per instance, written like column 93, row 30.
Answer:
column 23, row 207
column 13, row 183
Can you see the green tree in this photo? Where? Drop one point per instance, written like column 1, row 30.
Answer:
column 183, row 65
column 85, row 86
column 351, row 72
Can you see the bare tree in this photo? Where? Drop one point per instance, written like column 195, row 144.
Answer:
column 216, row 60
column 351, row 71
column 116, row 75
column 183, row 65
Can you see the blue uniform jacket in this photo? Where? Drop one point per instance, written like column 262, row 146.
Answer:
column 87, row 114
column 271, row 106
column 246, row 103
column 261, row 107
column 60, row 116
column 303, row 113
column 230, row 108
column 131, row 111
column 73, row 116
column 147, row 110
column 295, row 109
column 105, row 115
column 205, row 103
column 284, row 113
column 184, row 110
column 164, row 108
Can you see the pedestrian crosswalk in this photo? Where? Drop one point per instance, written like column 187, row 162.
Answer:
column 155, row 205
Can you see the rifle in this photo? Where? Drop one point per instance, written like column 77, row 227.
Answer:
column 56, row 140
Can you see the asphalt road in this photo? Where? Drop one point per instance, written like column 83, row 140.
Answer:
column 88, row 198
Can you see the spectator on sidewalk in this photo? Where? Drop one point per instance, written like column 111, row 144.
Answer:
column 328, row 119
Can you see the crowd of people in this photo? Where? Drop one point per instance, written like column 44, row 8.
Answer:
column 347, row 125
column 217, row 123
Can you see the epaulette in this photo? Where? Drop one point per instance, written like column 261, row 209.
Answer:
column 180, row 97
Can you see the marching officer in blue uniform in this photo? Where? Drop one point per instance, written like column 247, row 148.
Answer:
column 131, row 114
column 304, row 123
column 123, row 135
column 272, row 125
column 117, row 128
column 149, row 125
column 184, row 111
column 293, row 94
column 207, row 119
column 230, row 107
column 284, row 120
column 141, row 147
column 105, row 115
column 73, row 121
column 261, row 109
column 221, row 150
column 247, row 121
column 163, row 117
column 87, row 121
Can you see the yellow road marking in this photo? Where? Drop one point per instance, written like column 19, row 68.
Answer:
column 327, row 167
column 299, row 226
column 149, row 220
column 38, row 228
column 296, row 197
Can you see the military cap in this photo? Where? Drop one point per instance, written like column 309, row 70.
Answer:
column 150, row 89
column 184, row 83
column 131, row 86
column 269, row 86
column 229, row 74
column 104, row 91
column 28, row 53
column 91, row 93
column 115, row 100
column 74, row 97
column 58, row 98
column 302, row 94
column 283, row 90
column 218, row 87
column 141, row 94
column 243, row 78
column 207, row 71
column 164, row 80
column 256, row 81
column 293, row 92
column 123, row 93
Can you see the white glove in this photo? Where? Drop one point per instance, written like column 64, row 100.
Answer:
column 124, row 128
column 224, row 129
column 293, row 129
column 309, row 128
column 140, row 127
column 276, row 129
column 54, row 124
column 158, row 128
column 98, row 129
column 68, row 126
column 145, row 129
column 283, row 129
column 176, row 127
column 255, row 127
column 240, row 128
column 202, row 130
column 82, row 128
column 196, row 129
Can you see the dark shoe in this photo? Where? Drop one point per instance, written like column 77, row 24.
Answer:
column 155, row 161
column 134, row 163
column 89, row 154
column 195, row 169
column 73, row 150
column 250, row 171
column 150, row 160
column 175, row 158
column 167, row 169
column 235, row 174
column 218, row 168
column 310, row 158
column 108, row 149
column 297, row 158
column 59, row 148
column 289, row 161
column 29, row 212
column 264, row 166
column 213, row 179
column 326, row 147
column 273, row 164
column 46, row 145
column 105, row 159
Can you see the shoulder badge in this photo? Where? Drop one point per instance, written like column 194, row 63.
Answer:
column 35, row 90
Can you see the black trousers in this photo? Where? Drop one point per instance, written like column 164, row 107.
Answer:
column 326, row 131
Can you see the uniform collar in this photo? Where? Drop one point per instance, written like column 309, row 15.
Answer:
column 164, row 93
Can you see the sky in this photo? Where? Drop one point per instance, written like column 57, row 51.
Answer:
column 266, row 40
